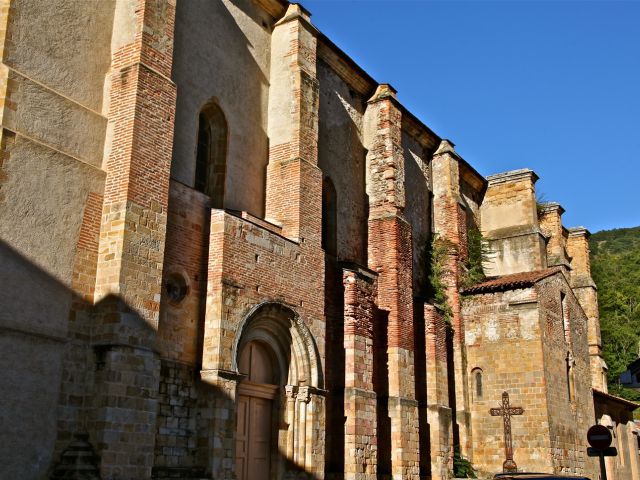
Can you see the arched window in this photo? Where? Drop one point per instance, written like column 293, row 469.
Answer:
column 329, row 217
column 211, row 155
column 566, row 322
column 476, row 374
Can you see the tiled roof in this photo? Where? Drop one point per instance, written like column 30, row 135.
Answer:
column 510, row 282
column 609, row 397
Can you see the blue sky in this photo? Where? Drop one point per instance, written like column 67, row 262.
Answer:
column 549, row 85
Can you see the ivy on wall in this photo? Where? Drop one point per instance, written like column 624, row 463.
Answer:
column 437, row 253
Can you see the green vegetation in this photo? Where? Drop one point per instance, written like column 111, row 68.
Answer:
column 541, row 200
column 615, row 267
column 462, row 468
column 436, row 255
column 437, row 252
column 478, row 254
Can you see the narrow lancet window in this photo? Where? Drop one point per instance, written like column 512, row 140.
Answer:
column 566, row 323
column 211, row 155
column 477, row 378
column 329, row 218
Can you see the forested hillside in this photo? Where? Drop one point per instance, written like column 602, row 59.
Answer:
column 615, row 267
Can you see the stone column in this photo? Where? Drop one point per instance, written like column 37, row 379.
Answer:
column 294, row 181
column 303, row 443
column 586, row 291
column 390, row 255
column 315, row 428
column 438, row 411
column 291, row 392
column 294, row 193
column 360, row 445
column 449, row 219
column 138, row 149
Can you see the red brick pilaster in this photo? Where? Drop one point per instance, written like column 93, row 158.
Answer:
column 390, row 255
column 438, row 410
column 450, row 225
column 141, row 113
column 132, row 236
column 294, row 181
column 360, row 452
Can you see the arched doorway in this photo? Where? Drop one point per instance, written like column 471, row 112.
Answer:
column 279, row 401
column 255, row 407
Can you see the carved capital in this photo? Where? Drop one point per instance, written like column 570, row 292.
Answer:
column 304, row 394
column 290, row 392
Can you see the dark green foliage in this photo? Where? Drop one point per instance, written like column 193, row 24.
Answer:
column 619, row 240
column 436, row 256
column 615, row 267
column 478, row 253
column 436, row 253
column 462, row 468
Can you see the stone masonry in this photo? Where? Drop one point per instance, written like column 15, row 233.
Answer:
column 214, row 237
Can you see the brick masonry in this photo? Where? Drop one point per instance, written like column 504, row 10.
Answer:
column 131, row 248
column 450, row 224
column 359, row 397
column 390, row 255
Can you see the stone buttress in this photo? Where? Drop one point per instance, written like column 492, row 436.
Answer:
column 390, row 256
column 132, row 237
column 587, row 293
column 359, row 397
column 450, row 225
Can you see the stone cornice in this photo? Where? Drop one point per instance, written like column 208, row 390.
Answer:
column 345, row 67
column 418, row 130
column 579, row 232
column 513, row 176
column 550, row 207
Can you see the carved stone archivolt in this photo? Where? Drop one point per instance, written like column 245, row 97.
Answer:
column 296, row 359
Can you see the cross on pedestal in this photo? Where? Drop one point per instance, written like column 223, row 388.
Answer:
column 506, row 411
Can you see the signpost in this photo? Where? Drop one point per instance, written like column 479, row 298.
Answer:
column 599, row 437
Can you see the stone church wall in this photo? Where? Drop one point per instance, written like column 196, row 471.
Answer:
column 177, row 428
column 222, row 53
column 570, row 406
column 516, row 339
column 503, row 344
column 127, row 299
column 186, row 256
column 418, row 204
column 51, row 152
column 341, row 157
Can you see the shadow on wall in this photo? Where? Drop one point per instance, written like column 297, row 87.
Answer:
column 83, row 383
column 214, row 41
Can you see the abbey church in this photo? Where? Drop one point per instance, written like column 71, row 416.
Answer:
column 218, row 244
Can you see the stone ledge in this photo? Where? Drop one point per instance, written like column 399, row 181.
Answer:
column 513, row 176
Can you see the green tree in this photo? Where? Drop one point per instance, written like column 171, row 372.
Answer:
column 615, row 267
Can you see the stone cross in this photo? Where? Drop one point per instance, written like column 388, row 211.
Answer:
column 506, row 411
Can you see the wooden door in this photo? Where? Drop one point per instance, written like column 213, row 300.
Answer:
column 254, row 415
column 242, row 437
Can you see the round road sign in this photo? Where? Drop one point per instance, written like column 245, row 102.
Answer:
column 599, row 437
